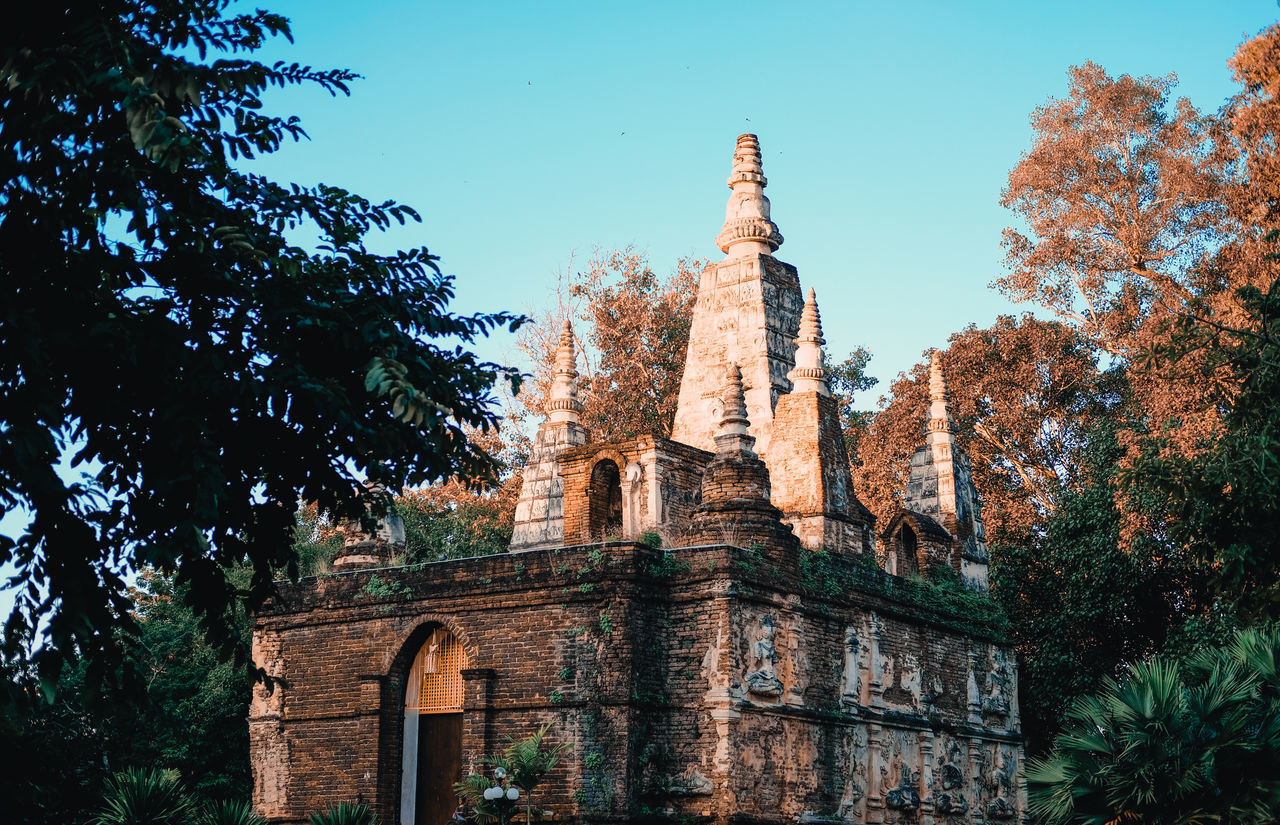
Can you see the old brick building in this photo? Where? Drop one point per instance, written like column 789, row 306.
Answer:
column 775, row 660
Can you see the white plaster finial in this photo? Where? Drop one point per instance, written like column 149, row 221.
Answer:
column 808, row 375
column 732, row 437
column 747, row 228
column 939, row 413
column 563, row 405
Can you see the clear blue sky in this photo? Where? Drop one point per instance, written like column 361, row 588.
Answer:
column 527, row 133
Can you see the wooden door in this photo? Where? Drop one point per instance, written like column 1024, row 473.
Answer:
column 439, row 766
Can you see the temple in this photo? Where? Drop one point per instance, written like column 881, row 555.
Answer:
column 712, row 622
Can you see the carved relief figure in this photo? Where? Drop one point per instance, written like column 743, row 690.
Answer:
column 950, row 798
column 995, row 695
column 900, row 784
column 711, row 663
column 851, row 801
column 1002, row 785
column 762, row 679
column 851, row 676
column 910, row 676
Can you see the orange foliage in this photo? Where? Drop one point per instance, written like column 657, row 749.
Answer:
column 1139, row 217
column 1024, row 393
column 632, row 330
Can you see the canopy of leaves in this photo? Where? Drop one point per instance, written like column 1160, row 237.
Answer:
column 845, row 380
column 1119, row 197
column 161, row 334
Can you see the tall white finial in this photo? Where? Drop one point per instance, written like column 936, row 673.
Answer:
column 808, row 375
column 939, row 414
column 732, row 437
column 563, row 405
column 747, row 228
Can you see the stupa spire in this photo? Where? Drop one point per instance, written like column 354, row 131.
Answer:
column 563, row 405
column 732, row 436
column 747, row 228
column 808, row 375
column 939, row 412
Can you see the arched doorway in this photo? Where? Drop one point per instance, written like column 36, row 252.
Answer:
column 433, row 731
column 605, row 515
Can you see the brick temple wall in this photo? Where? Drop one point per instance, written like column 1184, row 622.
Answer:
column 715, row 682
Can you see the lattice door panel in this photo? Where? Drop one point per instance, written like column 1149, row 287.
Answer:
column 437, row 671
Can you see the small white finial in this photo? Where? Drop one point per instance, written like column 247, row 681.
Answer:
column 563, row 405
column 747, row 228
column 732, row 437
column 808, row 375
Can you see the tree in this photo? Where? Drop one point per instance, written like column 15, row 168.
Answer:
column 1024, row 393
column 1172, row 743
column 1082, row 605
column 454, row 519
column 162, row 335
column 1121, row 200
column 845, row 380
column 633, row 332
column 1224, row 501
column 189, row 716
column 1140, row 212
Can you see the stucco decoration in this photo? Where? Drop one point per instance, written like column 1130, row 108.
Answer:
column 762, row 679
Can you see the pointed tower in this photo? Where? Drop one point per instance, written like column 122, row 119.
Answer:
column 747, row 313
column 539, row 519
column 808, row 460
column 940, row 485
column 735, row 506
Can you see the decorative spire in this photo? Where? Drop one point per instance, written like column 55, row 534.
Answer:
column 939, row 413
column 563, row 405
column 732, row 437
column 808, row 375
column 747, row 228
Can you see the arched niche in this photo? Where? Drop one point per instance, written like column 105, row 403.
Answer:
column 604, row 506
column 908, row 551
column 432, row 743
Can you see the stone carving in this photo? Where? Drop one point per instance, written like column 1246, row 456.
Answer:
column 934, row 689
column 950, row 778
column 999, row 680
column 797, row 663
column 903, row 795
column 711, row 663
column 691, row 783
column 851, row 801
column 851, row 675
column 762, row 679
column 910, row 676
column 899, row 773
column 1002, row 785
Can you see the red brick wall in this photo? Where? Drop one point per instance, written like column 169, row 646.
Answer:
column 640, row 664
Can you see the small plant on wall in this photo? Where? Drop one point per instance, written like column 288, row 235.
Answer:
column 507, row 792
